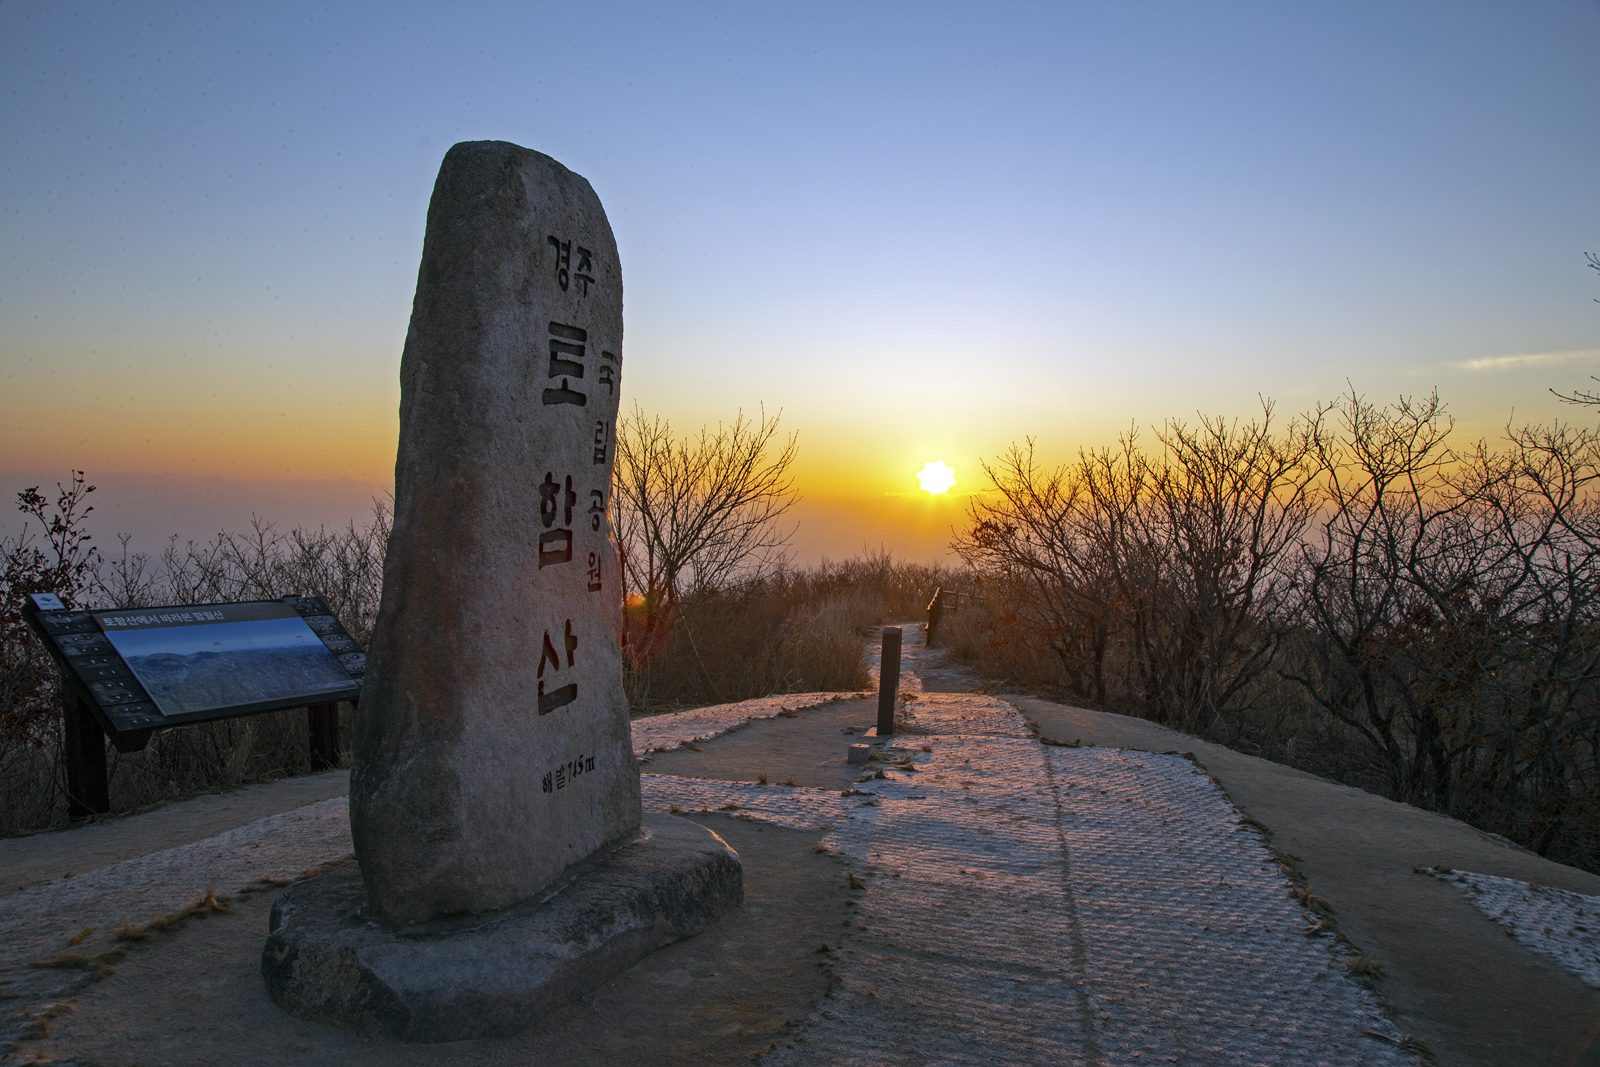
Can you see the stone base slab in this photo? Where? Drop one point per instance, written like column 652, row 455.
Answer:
column 329, row 959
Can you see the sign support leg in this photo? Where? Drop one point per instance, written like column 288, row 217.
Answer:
column 323, row 719
column 88, row 792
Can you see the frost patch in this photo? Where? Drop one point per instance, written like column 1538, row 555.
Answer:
column 663, row 733
column 1560, row 925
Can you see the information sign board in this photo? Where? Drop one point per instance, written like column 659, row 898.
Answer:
column 126, row 673
column 146, row 668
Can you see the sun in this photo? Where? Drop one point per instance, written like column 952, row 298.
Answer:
column 937, row 478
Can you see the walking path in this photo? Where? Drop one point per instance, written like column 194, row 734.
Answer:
column 1023, row 903
column 1002, row 901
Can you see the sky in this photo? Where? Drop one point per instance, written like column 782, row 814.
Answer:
column 920, row 232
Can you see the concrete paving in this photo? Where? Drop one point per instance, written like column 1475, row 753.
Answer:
column 194, row 997
column 806, row 750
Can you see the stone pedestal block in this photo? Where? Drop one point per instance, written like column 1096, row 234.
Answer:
column 331, row 958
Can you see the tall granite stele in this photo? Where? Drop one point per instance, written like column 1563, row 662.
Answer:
column 493, row 761
column 492, row 748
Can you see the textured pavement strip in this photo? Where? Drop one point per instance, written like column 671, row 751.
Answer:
column 1561, row 925
column 37, row 921
column 663, row 733
column 1024, row 902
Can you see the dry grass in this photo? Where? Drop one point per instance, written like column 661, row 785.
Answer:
column 796, row 631
column 103, row 963
column 1365, row 966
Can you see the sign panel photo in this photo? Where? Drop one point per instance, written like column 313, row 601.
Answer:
column 199, row 659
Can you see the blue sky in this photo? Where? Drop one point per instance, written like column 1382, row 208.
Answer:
column 922, row 231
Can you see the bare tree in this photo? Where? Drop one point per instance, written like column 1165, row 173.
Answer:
column 1037, row 548
column 1584, row 397
column 1358, row 616
column 696, row 512
column 1230, row 502
column 1448, row 610
column 1526, row 754
column 1168, row 566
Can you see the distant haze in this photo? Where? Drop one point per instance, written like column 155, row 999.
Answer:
column 154, row 507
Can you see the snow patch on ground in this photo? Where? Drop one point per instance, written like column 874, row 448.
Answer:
column 663, row 733
column 1556, row 923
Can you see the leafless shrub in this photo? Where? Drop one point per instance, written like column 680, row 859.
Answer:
column 30, row 702
column 344, row 567
column 791, row 630
column 694, row 515
column 1149, row 577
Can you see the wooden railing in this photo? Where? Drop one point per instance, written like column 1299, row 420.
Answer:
column 944, row 600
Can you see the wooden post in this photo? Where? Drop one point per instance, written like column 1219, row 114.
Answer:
column 88, row 792
column 935, row 610
column 888, row 680
column 324, row 722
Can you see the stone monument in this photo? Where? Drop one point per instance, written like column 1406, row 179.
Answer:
column 493, row 763
column 492, row 747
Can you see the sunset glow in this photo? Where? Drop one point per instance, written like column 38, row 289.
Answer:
column 936, row 477
column 205, row 309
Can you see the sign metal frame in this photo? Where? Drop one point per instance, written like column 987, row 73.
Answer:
column 102, row 695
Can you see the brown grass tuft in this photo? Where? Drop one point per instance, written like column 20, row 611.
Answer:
column 1365, row 967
